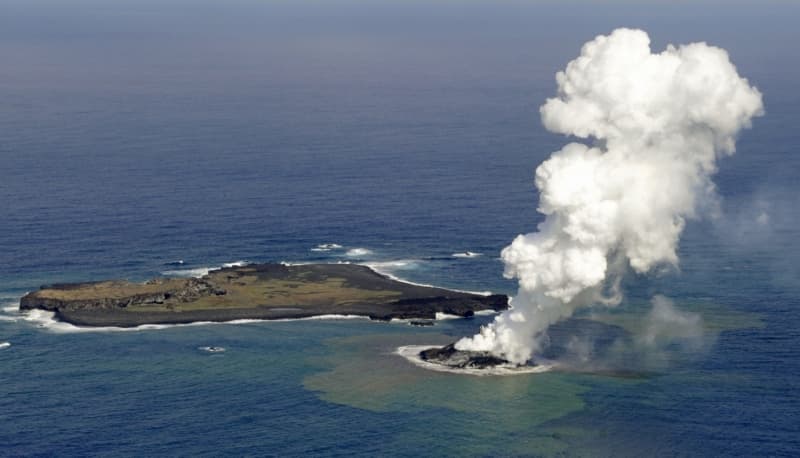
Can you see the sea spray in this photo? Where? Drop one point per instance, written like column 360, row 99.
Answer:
column 659, row 124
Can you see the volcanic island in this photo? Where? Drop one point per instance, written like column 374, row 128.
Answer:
column 255, row 291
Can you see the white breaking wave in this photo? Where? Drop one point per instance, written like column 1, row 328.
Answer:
column 4, row 345
column 290, row 264
column 196, row 273
column 10, row 310
column 325, row 318
column 387, row 268
column 46, row 320
column 13, row 308
column 411, row 353
column 328, row 317
column 391, row 266
column 199, row 272
column 467, row 254
column 327, row 247
column 358, row 252
column 447, row 316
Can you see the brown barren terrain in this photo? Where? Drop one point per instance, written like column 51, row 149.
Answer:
column 256, row 291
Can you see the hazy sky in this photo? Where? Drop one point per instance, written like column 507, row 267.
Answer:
column 223, row 45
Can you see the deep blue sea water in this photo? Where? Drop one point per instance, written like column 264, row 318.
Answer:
column 136, row 134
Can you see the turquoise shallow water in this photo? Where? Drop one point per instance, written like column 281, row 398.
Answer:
column 324, row 387
column 139, row 134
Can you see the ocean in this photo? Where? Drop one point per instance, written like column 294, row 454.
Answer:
column 140, row 139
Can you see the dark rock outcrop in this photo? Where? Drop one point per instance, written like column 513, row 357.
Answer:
column 421, row 323
column 460, row 359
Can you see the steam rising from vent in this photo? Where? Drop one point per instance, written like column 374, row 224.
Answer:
column 659, row 123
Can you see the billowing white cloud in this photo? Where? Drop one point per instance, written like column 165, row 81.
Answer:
column 660, row 122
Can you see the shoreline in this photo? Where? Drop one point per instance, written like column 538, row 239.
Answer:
column 46, row 320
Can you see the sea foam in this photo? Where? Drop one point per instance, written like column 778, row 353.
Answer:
column 388, row 269
column 327, row 247
column 199, row 272
column 196, row 273
column 46, row 320
column 357, row 252
column 467, row 254
column 9, row 310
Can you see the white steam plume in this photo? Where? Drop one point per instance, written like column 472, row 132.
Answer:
column 660, row 122
column 667, row 324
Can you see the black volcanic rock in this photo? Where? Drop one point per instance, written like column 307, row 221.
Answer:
column 460, row 359
column 421, row 323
